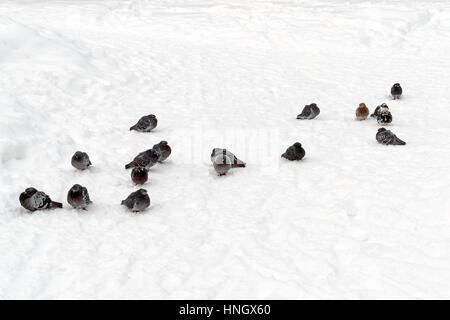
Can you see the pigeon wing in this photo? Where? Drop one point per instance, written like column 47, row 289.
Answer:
column 40, row 200
column 306, row 112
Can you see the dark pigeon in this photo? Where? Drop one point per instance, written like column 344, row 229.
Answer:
column 146, row 124
column 137, row 201
column 396, row 91
column 139, row 175
column 235, row 162
column 294, row 152
column 146, row 159
column 309, row 112
column 32, row 199
column 78, row 197
column 387, row 137
column 80, row 160
column 163, row 150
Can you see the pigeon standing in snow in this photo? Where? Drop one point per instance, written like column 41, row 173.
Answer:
column 396, row 91
column 294, row 152
column 222, row 163
column 80, row 160
column 146, row 159
column 387, row 137
column 146, row 124
column 309, row 112
column 137, row 201
column 78, row 197
column 362, row 112
column 163, row 150
column 139, row 175
column 32, row 199
column 235, row 162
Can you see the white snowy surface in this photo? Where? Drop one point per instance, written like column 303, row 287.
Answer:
column 355, row 219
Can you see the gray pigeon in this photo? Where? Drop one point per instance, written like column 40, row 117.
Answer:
column 137, row 201
column 163, row 150
column 32, row 199
column 309, row 112
column 139, row 175
column 146, row 124
column 80, row 160
column 222, row 163
column 146, row 159
column 235, row 162
column 294, row 152
column 396, row 91
column 78, row 197
column 387, row 137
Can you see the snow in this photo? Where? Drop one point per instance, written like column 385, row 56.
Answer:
column 353, row 220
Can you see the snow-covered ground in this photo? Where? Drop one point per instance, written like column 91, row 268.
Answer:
column 355, row 219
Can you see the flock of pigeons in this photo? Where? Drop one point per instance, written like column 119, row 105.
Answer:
column 222, row 159
column 78, row 196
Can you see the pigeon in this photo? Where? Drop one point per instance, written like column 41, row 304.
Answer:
column 362, row 112
column 235, row 162
column 146, row 124
column 163, row 150
column 222, row 163
column 32, row 199
column 139, row 175
column 137, row 201
column 309, row 112
column 384, row 117
column 146, row 159
column 378, row 109
column 294, row 152
column 387, row 137
column 396, row 91
column 78, row 197
column 80, row 160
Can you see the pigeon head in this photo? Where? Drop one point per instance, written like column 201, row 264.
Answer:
column 214, row 152
column 313, row 105
column 142, row 192
column 30, row 191
column 76, row 188
column 78, row 155
column 384, row 108
column 381, row 130
column 297, row 145
column 397, row 85
column 362, row 104
column 163, row 143
column 27, row 194
column 152, row 116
